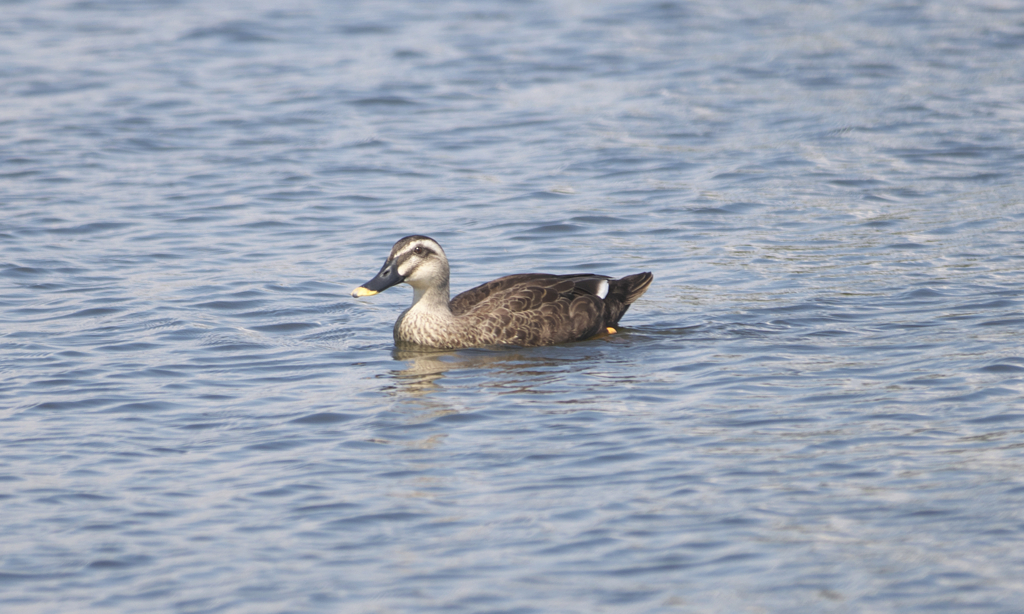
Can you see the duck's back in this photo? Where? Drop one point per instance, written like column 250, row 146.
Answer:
column 543, row 309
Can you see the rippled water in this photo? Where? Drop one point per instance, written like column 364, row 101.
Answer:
column 818, row 406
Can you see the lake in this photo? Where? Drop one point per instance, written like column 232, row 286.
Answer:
column 818, row 406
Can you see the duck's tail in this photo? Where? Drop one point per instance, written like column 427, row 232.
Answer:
column 622, row 293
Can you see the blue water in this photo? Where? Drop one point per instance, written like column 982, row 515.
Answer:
column 817, row 407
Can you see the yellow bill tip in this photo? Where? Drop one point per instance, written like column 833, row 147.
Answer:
column 361, row 291
column 610, row 330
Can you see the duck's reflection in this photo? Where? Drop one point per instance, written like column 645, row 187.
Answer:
column 448, row 387
column 505, row 368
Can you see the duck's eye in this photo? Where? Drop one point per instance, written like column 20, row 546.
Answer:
column 418, row 250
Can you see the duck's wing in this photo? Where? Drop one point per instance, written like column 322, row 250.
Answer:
column 528, row 290
column 535, row 308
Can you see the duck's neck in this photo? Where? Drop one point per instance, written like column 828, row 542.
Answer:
column 429, row 321
column 431, row 298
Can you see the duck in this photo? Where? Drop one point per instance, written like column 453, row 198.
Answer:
column 527, row 309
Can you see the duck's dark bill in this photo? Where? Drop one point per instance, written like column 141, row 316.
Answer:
column 387, row 277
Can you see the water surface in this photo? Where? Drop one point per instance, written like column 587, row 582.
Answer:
column 818, row 406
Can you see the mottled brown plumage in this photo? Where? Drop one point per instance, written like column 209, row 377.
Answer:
column 527, row 309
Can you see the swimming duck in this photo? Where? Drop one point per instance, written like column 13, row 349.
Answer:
column 527, row 309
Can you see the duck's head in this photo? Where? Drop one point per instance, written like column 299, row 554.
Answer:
column 417, row 260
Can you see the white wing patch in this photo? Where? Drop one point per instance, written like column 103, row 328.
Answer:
column 602, row 289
